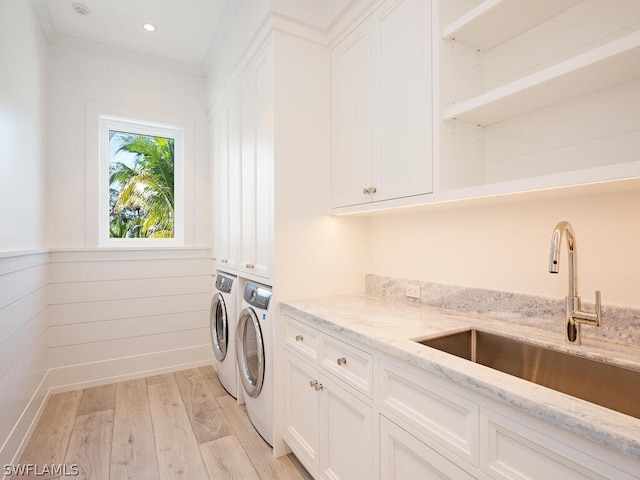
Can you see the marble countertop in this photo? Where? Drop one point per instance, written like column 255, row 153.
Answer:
column 389, row 325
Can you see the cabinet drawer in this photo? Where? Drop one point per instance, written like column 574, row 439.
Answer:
column 449, row 419
column 351, row 364
column 301, row 338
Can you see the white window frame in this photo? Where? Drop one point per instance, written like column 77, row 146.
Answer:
column 109, row 123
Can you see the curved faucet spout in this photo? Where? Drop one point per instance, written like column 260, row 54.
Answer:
column 574, row 314
column 565, row 228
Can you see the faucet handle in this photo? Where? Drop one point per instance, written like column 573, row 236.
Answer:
column 598, row 307
column 588, row 317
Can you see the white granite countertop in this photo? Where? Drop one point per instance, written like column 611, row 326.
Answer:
column 390, row 325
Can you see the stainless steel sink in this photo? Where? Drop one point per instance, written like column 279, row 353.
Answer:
column 611, row 386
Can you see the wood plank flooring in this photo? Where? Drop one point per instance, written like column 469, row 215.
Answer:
column 181, row 425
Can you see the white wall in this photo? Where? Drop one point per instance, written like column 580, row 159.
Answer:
column 82, row 84
column 118, row 314
column 23, row 346
column 23, row 276
column 22, row 52
column 78, row 315
column 506, row 246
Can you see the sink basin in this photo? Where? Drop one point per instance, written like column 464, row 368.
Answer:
column 611, row 386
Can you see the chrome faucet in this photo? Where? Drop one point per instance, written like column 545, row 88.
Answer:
column 573, row 312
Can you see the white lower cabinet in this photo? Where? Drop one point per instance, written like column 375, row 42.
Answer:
column 327, row 427
column 404, row 457
column 352, row 412
column 302, row 412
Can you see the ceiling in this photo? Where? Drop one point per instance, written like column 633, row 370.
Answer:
column 185, row 28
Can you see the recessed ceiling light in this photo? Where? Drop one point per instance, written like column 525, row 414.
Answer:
column 149, row 27
column 80, row 8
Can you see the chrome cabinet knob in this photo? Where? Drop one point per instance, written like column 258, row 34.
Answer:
column 299, row 338
column 224, row 260
column 373, row 190
column 315, row 384
column 250, row 265
column 366, row 191
column 341, row 361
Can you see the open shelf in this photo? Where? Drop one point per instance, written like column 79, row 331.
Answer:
column 611, row 64
column 496, row 21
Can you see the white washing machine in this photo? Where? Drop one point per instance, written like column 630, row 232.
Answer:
column 223, row 318
column 254, row 343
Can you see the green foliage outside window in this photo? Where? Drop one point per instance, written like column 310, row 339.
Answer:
column 141, row 187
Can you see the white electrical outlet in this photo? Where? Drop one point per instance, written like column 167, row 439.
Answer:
column 413, row 291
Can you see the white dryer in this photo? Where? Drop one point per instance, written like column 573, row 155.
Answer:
column 254, row 345
column 223, row 319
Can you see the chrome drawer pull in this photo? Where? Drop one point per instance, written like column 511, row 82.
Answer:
column 342, row 361
column 299, row 338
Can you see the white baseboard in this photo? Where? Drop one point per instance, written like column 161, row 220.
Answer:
column 14, row 445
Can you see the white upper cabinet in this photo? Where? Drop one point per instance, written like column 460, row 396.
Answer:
column 403, row 99
column 243, row 170
column 382, row 106
column 351, row 87
column 256, row 169
column 227, row 184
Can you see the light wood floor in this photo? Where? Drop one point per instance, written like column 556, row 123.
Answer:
column 182, row 425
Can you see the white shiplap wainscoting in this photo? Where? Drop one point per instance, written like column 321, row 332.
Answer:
column 120, row 313
column 75, row 318
column 23, row 345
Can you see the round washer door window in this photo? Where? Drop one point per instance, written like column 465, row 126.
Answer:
column 250, row 352
column 219, row 327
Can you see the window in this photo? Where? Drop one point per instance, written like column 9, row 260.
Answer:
column 140, row 182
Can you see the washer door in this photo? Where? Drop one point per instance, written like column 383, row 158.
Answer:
column 250, row 352
column 219, row 327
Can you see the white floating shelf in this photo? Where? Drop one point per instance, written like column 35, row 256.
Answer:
column 610, row 64
column 496, row 21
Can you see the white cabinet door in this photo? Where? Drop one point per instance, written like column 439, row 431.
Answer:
column 382, row 112
column 226, row 181
column 351, row 111
column 347, row 435
column 402, row 155
column 256, row 153
column 302, row 412
column 403, row 456
column 327, row 427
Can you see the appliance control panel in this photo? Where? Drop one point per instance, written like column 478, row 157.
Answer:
column 257, row 296
column 224, row 283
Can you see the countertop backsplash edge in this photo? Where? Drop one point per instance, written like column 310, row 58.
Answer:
column 619, row 324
